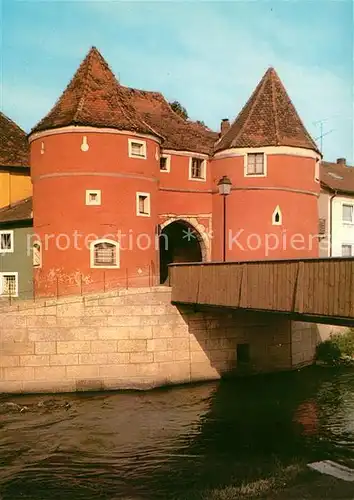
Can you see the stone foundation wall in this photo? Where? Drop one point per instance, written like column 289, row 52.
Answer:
column 305, row 337
column 131, row 339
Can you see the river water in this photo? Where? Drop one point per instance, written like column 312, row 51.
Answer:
column 171, row 442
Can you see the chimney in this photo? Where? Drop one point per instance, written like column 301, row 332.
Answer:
column 341, row 161
column 224, row 127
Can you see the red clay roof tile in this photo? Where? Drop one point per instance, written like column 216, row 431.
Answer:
column 337, row 177
column 19, row 211
column 269, row 118
column 14, row 149
column 180, row 134
column 94, row 98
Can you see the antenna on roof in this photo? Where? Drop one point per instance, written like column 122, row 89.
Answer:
column 322, row 135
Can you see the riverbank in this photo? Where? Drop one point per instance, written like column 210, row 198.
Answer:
column 292, row 483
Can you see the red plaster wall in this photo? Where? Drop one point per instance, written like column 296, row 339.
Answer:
column 178, row 194
column 250, row 210
column 59, row 208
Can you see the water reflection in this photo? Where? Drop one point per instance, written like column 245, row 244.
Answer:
column 164, row 443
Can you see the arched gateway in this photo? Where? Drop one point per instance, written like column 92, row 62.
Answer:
column 180, row 242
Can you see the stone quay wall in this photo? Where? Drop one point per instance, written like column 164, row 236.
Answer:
column 136, row 339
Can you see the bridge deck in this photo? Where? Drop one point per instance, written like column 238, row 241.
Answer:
column 312, row 287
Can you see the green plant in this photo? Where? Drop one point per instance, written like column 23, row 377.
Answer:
column 328, row 351
column 179, row 109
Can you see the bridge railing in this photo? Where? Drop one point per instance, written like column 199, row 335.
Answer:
column 323, row 287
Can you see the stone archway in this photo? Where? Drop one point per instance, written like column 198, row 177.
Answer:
column 180, row 241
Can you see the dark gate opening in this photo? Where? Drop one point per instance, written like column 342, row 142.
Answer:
column 179, row 242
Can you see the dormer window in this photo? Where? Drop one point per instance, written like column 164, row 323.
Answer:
column 255, row 164
column 197, row 169
column 137, row 149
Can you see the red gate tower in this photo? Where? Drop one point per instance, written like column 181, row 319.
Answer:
column 94, row 167
column 273, row 164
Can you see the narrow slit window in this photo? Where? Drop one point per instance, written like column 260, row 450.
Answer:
column 143, row 204
column 37, row 255
column 277, row 217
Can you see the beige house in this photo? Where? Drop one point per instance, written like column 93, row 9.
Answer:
column 336, row 209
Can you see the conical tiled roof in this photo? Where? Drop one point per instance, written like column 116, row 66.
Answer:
column 94, row 98
column 14, row 150
column 269, row 118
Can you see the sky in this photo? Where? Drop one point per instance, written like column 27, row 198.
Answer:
column 208, row 55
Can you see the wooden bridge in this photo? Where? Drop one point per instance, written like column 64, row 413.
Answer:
column 316, row 290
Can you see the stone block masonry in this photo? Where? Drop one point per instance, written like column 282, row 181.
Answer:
column 136, row 339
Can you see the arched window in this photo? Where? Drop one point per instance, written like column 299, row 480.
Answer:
column 277, row 217
column 37, row 254
column 104, row 254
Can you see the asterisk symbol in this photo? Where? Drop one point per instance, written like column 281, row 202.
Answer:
column 188, row 234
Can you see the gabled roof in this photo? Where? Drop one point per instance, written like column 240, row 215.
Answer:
column 269, row 118
column 337, row 177
column 95, row 98
column 19, row 211
column 179, row 134
column 14, row 149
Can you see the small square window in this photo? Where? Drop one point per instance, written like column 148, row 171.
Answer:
column 255, row 164
column 9, row 284
column 93, row 197
column 347, row 214
column 137, row 149
column 165, row 163
column 143, row 204
column 197, row 168
column 6, row 241
column 347, row 251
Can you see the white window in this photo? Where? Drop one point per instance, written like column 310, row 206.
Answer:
column 347, row 213
column 255, row 164
column 137, row 149
column 93, row 197
column 277, row 217
column 165, row 161
column 347, row 251
column 104, row 254
column 9, row 284
column 197, row 169
column 143, row 204
column 6, row 241
column 317, row 171
column 37, row 254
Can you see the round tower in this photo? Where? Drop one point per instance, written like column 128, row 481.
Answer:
column 273, row 164
column 94, row 167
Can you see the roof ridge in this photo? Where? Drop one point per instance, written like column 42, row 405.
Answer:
column 82, row 98
column 276, row 122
